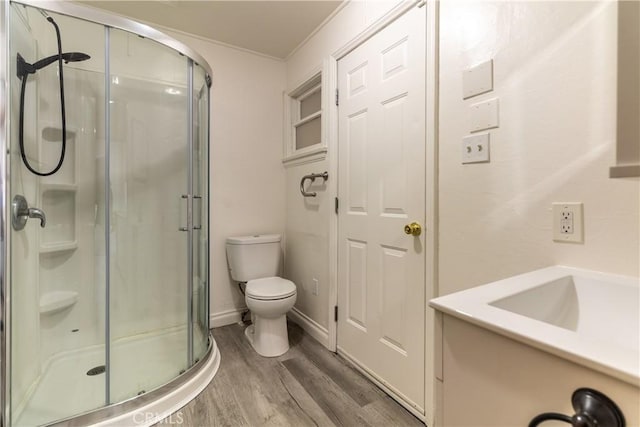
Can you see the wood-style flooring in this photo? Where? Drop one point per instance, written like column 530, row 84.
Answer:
column 307, row 386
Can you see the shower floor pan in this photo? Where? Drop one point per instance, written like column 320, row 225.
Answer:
column 65, row 388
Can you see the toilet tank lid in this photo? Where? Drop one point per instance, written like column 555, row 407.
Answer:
column 252, row 240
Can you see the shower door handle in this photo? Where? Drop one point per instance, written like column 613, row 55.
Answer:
column 197, row 227
column 189, row 226
column 21, row 212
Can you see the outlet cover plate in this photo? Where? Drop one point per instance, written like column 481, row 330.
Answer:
column 567, row 222
column 483, row 115
column 475, row 149
column 477, row 80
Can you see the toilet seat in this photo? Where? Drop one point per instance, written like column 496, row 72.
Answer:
column 270, row 288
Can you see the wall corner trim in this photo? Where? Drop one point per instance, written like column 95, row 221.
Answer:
column 317, row 29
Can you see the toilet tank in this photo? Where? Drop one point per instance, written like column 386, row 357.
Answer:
column 253, row 257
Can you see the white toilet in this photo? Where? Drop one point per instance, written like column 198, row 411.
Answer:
column 256, row 260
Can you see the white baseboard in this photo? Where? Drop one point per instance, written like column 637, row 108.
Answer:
column 310, row 326
column 227, row 317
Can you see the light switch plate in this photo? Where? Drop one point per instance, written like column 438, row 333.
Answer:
column 567, row 222
column 475, row 149
column 484, row 115
column 477, row 80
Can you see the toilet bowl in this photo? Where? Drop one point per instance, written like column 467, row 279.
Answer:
column 255, row 261
column 269, row 299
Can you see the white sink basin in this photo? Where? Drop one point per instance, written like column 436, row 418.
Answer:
column 588, row 317
column 555, row 303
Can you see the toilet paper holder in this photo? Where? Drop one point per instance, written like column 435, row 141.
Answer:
column 312, row 177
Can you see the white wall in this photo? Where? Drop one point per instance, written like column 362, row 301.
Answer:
column 247, row 177
column 555, row 76
column 307, row 227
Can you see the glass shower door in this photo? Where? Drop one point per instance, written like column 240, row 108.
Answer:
column 200, row 259
column 56, row 238
column 149, row 174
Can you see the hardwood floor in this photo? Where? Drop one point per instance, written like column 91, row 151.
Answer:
column 307, row 386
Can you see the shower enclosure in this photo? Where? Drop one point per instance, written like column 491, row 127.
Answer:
column 105, row 220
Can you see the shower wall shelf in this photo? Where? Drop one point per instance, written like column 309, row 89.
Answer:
column 58, row 193
column 49, row 148
column 54, row 134
column 58, row 247
column 58, row 201
column 53, row 302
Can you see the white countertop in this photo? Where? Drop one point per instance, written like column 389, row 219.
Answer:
column 587, row 317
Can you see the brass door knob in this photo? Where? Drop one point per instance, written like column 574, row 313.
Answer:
column 413, row 229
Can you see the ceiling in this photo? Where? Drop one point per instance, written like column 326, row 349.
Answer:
column 274, row 28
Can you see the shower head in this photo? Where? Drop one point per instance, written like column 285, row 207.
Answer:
column 25, row 68
column 66, row 57
column 75, row 56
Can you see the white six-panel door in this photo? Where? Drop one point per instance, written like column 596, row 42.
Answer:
column 381, row 270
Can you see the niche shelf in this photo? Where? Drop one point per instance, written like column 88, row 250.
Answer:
column 58, row 192
column 59, row 204
column 58, row 247
column 50, row 147
column 56, row 301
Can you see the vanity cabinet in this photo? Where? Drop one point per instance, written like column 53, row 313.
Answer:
column 486, row 379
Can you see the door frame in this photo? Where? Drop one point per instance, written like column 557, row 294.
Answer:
column 330, row 74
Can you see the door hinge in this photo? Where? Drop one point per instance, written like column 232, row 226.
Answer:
column 337, row 98
column 337, row 205
column 335, row 313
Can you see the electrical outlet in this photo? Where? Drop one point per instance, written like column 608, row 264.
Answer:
column 314, row 290
column 567, row 222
